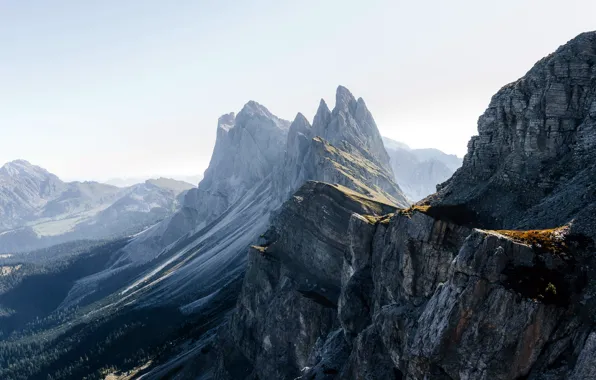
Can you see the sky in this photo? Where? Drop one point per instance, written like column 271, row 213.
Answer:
column 92, row 90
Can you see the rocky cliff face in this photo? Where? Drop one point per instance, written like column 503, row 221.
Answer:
column 444, row 289
column 534, row 152
column 304, row 288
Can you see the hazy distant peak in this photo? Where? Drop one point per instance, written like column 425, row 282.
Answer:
column 19, row 162
column 170, row 184
column 22, row 168
column 131, row 181
column 392, row 144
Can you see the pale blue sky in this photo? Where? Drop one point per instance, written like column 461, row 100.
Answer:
column 114, row 88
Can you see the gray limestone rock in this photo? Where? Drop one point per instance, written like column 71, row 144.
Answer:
column 351, row 125
column 293, row 280
column 585, row 367
column 473, row 326
column 342, row 146
column 247, row 148
column 413, row 255
column 534, row 152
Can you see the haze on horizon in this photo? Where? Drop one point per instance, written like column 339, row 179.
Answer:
column 130, row 89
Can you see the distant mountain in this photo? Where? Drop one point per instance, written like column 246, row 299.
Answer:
column 171, row 184
column 129, row 181
column 419, row 171
column 37, row 209
column 193, row 179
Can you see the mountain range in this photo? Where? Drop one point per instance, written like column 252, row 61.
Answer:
column 38, row 210
column 298, row 256
column 130, row 181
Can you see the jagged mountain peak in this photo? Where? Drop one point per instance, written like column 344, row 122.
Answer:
column 252, row 110
column 322, row 117
column 343, row 98
column 300, row 123
column 247, row 148
column 342, row 147
column 351, row 123
column 252, row 107
column 258, row 119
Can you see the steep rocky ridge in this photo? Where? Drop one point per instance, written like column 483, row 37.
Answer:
column 445, row 289
column 342, row 146
column 304, row 288
column 350, row 126
column 534, row 152
column 247, row 148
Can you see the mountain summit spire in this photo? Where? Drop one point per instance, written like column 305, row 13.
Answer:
column 351, row 123
column 343, row 98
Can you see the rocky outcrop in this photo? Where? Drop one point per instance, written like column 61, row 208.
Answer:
column 535, row 146
column 494, row 316
column 335, row 165
column 297, row 272
column 396, row 296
